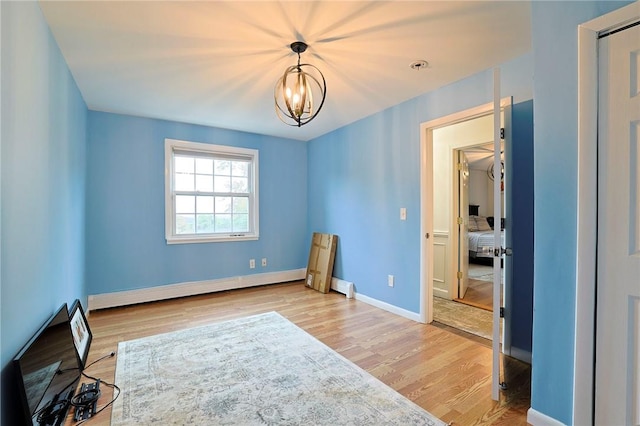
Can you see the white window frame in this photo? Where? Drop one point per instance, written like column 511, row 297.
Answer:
column 173, row 145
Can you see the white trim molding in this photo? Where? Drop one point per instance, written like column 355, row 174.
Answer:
column 171, row 291
column 173, row 148
column 536, row 418
column 388, row 307
column 587, row 207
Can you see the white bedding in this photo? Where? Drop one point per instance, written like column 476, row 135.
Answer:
column 481, row 243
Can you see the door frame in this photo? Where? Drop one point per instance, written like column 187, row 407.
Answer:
column 586, row 239
column 426, row 199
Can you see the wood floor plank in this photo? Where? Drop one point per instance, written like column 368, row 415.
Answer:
column 447, row 374
column 479, row 294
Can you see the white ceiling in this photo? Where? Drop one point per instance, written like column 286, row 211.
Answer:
column 216, row 62
column 481, row 157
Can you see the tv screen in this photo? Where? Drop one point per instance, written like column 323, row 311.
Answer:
column 48, row 370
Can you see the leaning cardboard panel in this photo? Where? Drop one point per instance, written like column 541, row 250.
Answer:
column 321, row 257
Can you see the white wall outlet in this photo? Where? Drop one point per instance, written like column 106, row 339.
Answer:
column 264, row 261
column 252, row 263
column 403, row 213
column 390, row 280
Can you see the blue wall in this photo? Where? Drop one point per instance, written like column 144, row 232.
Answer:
column 362, row 174
column 43, row 183
column 126, row 247
column 520, row 185
column 555, row 52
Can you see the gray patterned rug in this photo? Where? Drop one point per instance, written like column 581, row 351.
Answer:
column 259, row 370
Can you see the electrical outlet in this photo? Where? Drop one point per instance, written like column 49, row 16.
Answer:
column 390, row 280
column 252, row 263
column 264, row 261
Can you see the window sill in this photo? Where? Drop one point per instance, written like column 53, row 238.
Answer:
column 223, row 239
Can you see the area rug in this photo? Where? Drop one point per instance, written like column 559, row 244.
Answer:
column 463, row 317
column 480, row 272
column 258, row 370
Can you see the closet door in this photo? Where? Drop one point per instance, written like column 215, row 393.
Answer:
column 617, row 367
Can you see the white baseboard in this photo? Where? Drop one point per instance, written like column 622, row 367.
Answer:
column 520, row 354
column 536, row 418
column 388, row 307
column 151, row 294
column 444, row 294
column 171, row 291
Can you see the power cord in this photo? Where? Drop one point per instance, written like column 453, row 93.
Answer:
column 111, row 385
column 87, row 397
column 109, row 355
column 53, row 408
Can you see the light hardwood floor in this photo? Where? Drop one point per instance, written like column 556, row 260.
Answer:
column 479, row 294
column 438, row 368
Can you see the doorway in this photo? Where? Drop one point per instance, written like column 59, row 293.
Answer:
column 463, row 161
column 475, row 194
column 428, row 219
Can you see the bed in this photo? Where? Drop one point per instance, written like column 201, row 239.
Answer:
column 481, row 238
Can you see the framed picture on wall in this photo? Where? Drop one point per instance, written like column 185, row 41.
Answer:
column 81, row 332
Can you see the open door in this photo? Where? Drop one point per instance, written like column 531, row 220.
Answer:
column 502, row 252
column 499, row 108
column 463, row 223
column 497, row 236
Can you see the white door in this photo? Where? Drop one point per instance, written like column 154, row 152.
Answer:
column 463, row 223
column 497, row 214
column 617, row 367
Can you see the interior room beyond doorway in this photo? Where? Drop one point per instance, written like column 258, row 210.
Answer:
column 467, row 307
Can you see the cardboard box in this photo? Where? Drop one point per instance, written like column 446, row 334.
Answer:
column 321, row 257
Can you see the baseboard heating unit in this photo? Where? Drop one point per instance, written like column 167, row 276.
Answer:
column 342, row 286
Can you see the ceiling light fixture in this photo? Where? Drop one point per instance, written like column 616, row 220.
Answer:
column 490, row 171
column 295, row 91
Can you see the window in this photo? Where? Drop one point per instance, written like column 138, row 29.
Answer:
column 211, row 193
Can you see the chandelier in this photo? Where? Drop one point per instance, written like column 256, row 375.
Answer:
column 295, row 91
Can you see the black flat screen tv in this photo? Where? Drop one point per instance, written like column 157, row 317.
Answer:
column 48, row 369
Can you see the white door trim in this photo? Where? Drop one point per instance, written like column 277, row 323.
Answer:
column 583, row 372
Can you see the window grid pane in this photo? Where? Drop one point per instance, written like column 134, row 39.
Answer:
column 204, row 204
column 222, row 183
column 185, row 224
column 185, row 204
column 204, row 166
column 204, row 224
column 211, row 195
column 223, row 223
column 204, row 183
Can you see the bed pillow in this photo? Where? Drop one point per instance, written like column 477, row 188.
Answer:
column 482, row 223
column 473, row 225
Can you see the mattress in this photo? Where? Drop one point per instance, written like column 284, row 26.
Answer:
column 481, row 243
